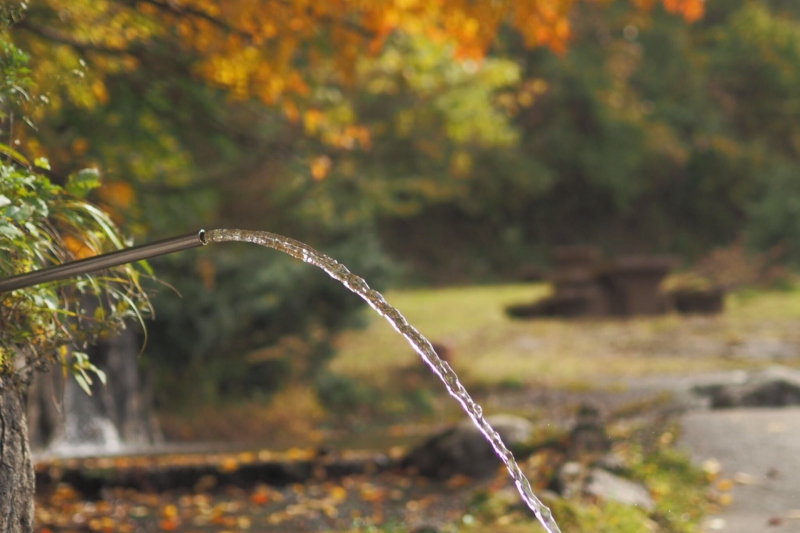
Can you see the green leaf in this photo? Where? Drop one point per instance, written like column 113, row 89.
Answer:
column 84, row 382
column 50, row 300
column 105, row 224
column 100, row 374
column 41, row 162
column 40, row 206
column 11, row 232
column 19, row 214
column 82, row 182
column 146, row 267
column 4, row 201
column 13, row 154
column 81, row 359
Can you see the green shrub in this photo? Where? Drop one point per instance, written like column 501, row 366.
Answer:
column 42, row 224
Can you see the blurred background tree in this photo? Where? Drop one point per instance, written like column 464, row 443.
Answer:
column 646, row 135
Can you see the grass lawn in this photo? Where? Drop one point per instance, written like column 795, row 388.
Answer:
column 489, row 348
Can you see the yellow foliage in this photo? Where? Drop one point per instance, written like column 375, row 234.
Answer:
column 78, row 248
column 79, row 146
column 117, row 193
column 311, row 120
column 460, row 164
column 320, row 167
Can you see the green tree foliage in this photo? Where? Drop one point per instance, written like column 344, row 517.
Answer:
column 426, row 117
column 760, row 51
column 254, row 321
column 647, row 135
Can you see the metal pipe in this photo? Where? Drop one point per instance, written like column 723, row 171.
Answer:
column 108, row 260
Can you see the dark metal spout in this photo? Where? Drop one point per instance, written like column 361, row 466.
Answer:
column 99, row 262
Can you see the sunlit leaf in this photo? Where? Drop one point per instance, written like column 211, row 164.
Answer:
column 82, row 182
column 13, row 154
column 84, row 382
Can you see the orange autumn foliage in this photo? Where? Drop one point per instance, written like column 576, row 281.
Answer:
column 78, row 248
column 267, row 48
column 692, row 10
column 251, row 47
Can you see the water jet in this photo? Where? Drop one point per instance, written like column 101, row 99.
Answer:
column 337, row 271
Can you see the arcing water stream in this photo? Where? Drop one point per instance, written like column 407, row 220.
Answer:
column 376, row 300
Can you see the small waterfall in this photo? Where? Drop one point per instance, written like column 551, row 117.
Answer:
column 115, row 419
column 86, row 431
column 422, row 346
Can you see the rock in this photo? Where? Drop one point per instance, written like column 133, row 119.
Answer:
column 612, row 462
column 539, row 308
column 463, row 449
column 588, row 435
column 698, row 301
column 609, row 487
column 570, row 479
column 774, row 387
column 574, row 479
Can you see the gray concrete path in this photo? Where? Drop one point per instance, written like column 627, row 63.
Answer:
column 759, row 449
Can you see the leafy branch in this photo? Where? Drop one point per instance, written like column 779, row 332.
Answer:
column 43, row 224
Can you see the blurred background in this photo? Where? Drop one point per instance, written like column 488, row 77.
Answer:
column 442, row 151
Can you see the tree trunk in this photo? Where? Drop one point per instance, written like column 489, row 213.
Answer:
column 43, row 399
column 16, row 467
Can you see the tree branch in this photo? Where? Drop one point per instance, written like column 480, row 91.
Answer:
column 56, row 36
column 173, row 8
